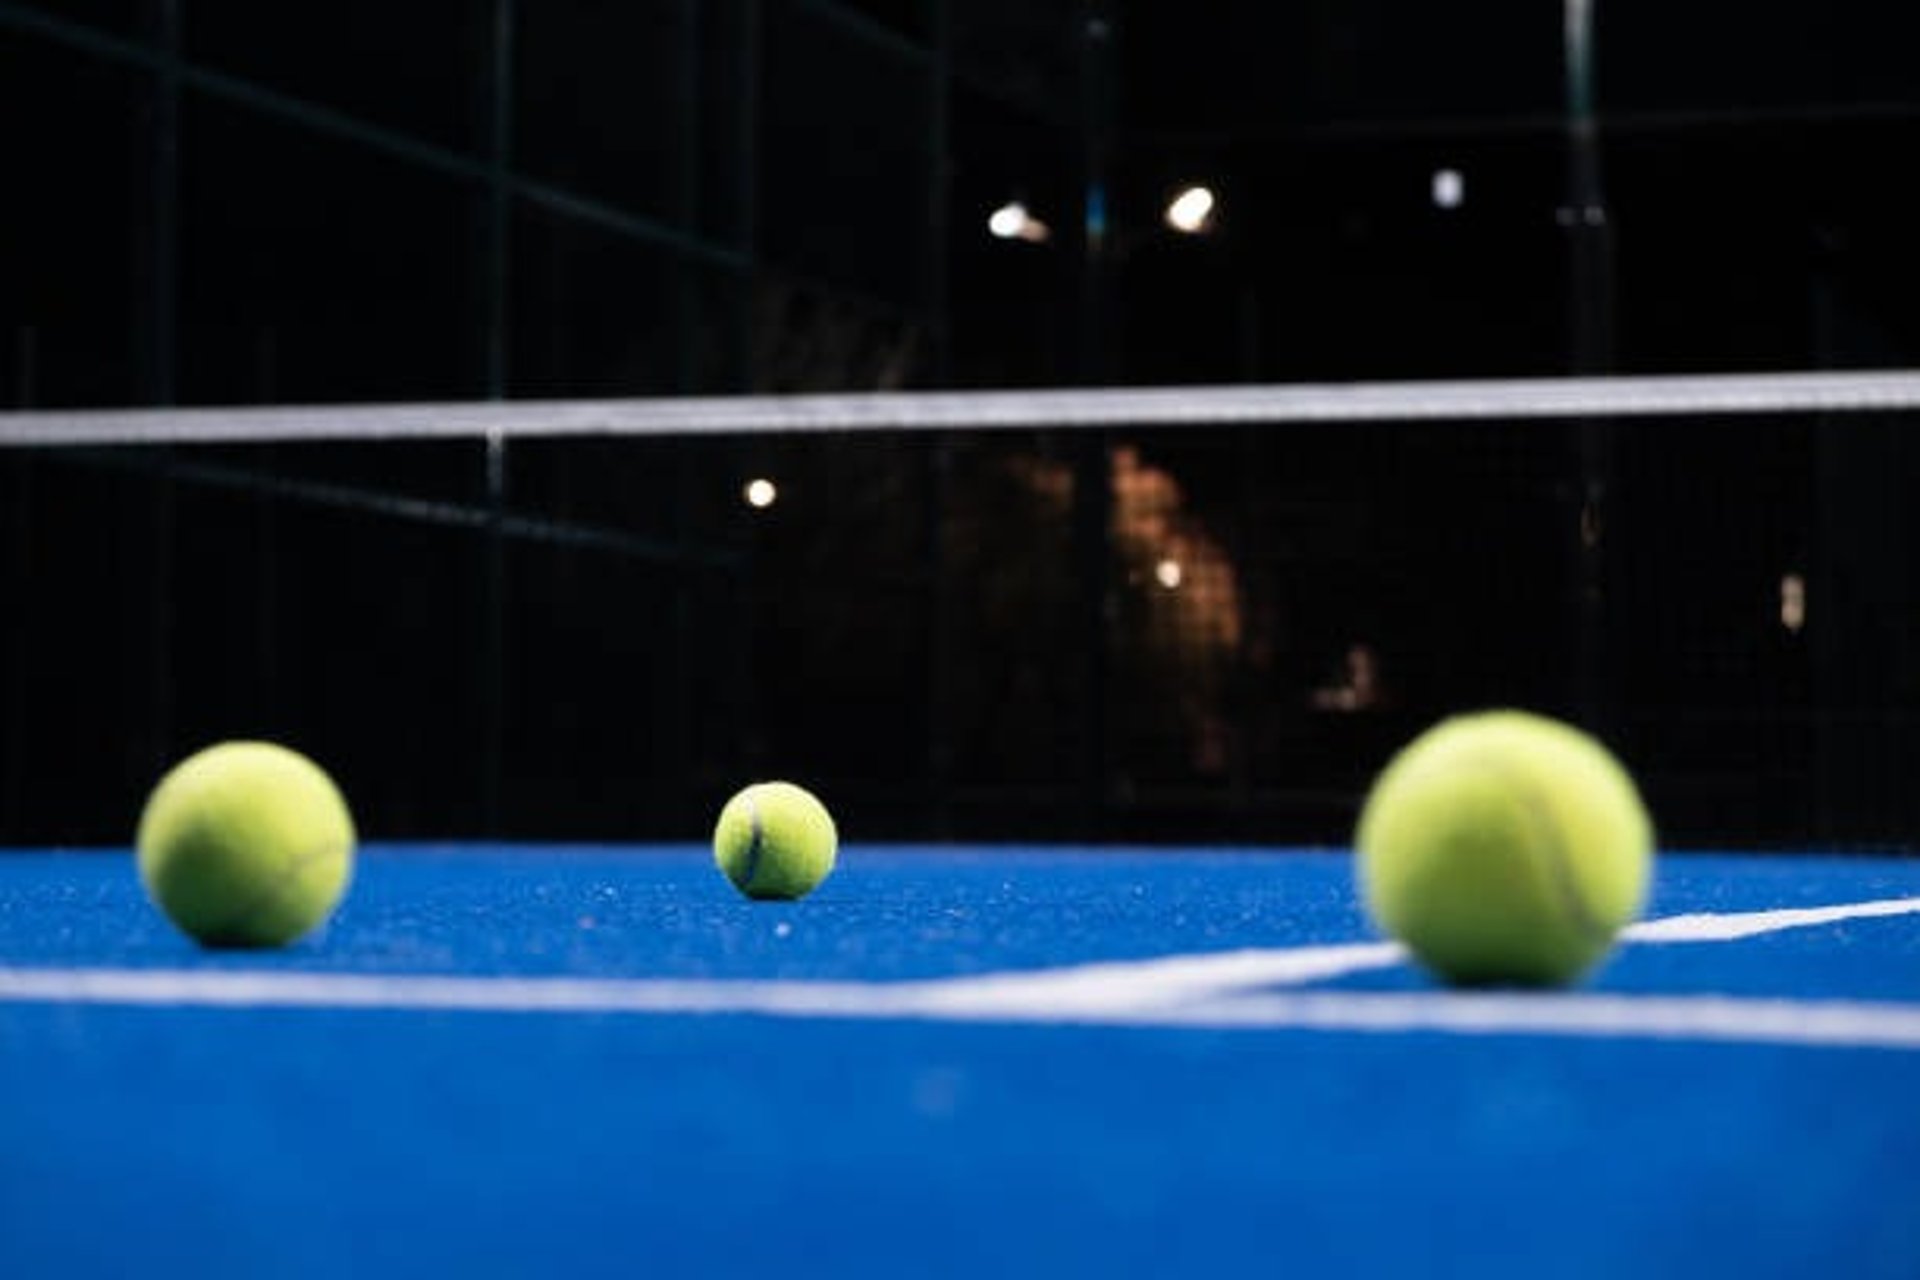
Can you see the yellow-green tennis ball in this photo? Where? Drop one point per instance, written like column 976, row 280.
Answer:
column 1505, row 848
column 246, row 844
column 775, row 840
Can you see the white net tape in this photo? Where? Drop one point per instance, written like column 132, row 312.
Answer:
column 1509, row 399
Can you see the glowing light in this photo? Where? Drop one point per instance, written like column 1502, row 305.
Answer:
column 1449, row 188
column 1191, row 212
column 1011, row 221
column 1169, row 574
column 760, row 493
column 1793, row 602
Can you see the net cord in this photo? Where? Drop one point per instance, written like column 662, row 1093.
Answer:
column 1709, row 395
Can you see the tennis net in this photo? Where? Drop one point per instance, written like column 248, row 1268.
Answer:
column 1166, row 613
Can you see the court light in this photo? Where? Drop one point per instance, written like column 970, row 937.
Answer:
column 1169, row 574
column 760, row 493
column 1191, row 212
column 1793, row 602
column 1449, row 189
column 1012, row 221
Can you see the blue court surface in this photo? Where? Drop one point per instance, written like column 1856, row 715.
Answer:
column 596, row 1061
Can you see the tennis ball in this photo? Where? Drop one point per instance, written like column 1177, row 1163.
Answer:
column 246, row 844
column 775, row 840
column 1504, row 848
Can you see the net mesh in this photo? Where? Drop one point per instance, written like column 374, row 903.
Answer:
column 1193, row 614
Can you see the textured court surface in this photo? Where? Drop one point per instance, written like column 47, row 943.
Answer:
column 536, row 1061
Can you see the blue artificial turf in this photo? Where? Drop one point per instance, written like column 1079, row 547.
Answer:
column 329, row 1142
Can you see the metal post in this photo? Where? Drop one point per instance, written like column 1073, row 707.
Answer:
column 743, row 710
column 1093, row 478
column 499, row 196
column 493, row 680
column 685, row 284
column 159, row 319
column 1590, row 351
column 1097, row 111
column 14, row 647
column 13, row 632
column 747, row 151
column 939, row 95
column 939, row 454
column 1585, row 214
column 493, row 601
column 26, row 360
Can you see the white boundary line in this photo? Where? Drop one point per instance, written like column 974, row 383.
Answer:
column 1811, row 1023
column 1227, row 990
column 1724, row 927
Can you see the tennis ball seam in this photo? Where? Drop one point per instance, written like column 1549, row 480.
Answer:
column 756, row 842
column 1562, row 884
column 269, row 893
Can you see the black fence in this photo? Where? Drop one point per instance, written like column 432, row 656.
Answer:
column 209, row 203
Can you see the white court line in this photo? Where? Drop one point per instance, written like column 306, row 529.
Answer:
column 1811, row 1023
column 1163, row 981
column 1746, row 924
column 1224, row 990
column 1177, row 979
column 271, row 989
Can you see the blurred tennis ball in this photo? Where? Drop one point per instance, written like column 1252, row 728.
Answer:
column 775, row 840
column 246, row 844
column 1504, row 848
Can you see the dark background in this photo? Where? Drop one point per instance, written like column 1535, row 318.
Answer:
column 222, row 202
